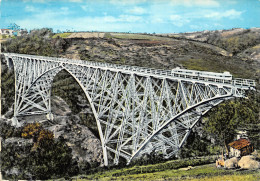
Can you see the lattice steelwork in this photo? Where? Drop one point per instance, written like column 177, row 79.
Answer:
column 137, row 110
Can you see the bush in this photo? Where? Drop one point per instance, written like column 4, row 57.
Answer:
column 46, row 158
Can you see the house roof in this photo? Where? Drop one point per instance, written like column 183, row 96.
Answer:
column 239, row 144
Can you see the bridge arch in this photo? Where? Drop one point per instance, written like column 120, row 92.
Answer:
column 95, row 115
column 46, row 80
column 174, row 120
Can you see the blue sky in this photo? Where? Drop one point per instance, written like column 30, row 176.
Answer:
column 159, row 16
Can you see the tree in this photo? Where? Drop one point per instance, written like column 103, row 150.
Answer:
column 51, row 158
column 223, row 122
column 46, row 158
column 195, row 145
column 32, row 130
column 227, row 118
column 249, row 117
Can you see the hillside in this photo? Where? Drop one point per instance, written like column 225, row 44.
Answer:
column 238, row 41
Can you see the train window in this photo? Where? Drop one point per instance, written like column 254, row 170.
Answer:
column 227, row 81
column 211, row 79
column 219, row 80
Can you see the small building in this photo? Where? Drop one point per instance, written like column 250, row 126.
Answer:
column 240, row 147
column 6, row 32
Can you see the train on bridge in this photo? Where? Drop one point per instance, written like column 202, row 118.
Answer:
column 225, row 78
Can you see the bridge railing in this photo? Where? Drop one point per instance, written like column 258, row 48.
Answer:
column 244, row 82
column 220, row 78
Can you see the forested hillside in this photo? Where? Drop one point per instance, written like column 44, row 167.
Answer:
column 230, row 50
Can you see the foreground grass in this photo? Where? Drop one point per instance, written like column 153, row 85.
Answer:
column 205, row 172
column 170, row 170
column 239, row 177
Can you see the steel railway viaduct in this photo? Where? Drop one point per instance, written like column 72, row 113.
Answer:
column 137, row 110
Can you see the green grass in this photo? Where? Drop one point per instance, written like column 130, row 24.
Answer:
column 2, row 37
column 62, row 35
column 138, row 37
column 204, row 172
column 231, row 177
column 150, row 170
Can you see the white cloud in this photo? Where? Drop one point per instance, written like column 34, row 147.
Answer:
column 87, row 8
column 137, row 10
column 76, row 1
column 58, row 20
column 43, row 1
column 30, row 8
column 126, row 2
column 64, row 8
column 178, row 20
column 36, row 1
column 129, row 18
column 231, row 14
column 84, row 7
column 233, row 2
column 104, row 23
column 157, row 20
column 196, row 2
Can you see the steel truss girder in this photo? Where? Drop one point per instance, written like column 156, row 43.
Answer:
column 136, row 113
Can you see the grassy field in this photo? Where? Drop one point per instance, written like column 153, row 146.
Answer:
column 197, row 173
column 210, row 65
column 138, row 37
column 62, row 35
column 4, row 38
column 199, row 169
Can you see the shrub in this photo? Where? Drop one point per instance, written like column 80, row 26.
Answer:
column 46, row 158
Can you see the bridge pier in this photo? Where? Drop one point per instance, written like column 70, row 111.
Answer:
column 49, row 116
column 15, row 122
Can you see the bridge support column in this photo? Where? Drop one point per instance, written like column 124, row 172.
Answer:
column 15, row 122
column 49, row 116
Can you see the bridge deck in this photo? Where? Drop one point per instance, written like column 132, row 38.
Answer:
column 190, row 75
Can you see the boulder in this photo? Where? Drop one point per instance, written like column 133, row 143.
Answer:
column 186, row 168
column 249, row 162
column 231, row 163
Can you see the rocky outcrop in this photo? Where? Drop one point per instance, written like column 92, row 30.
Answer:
column 231, row 163
column 249, row 162
column 86, row 147
column 84, row 144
